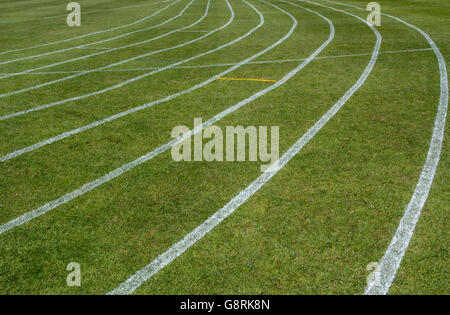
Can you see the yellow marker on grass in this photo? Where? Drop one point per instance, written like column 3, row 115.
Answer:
column 246, row 79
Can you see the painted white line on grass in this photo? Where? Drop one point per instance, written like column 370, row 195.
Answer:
column 132, row 283
column 84, row 12
column 231, row 64
column 170, row 97
column 89, row 44
column 394, row 254
column 123, row 83
column 90, row 34
column 135, row 109
column 127, row 167
column 104, row 52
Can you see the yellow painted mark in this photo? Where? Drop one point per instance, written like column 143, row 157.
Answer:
column 246, row 79
column 349, row 45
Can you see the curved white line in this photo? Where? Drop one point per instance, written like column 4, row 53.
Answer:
column 101, row 53
column 218, row 65
column 90, row 34
column 85, row 45
column 123, row 83
column 130, row 285
column 138, row 108
column 135, row 281
column 397, row 248
column 84, row 12
column 146, row 157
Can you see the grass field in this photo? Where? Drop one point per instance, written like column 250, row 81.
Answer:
column 80, row 183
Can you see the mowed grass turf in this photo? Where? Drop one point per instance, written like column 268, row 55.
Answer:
column 312, row 229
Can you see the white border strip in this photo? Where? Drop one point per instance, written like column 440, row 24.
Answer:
column 130, row 285
column 397, row 248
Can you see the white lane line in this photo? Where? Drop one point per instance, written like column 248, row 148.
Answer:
column 250, row 63
column 135, row 281
column 231, row 64
column 123, row 83
column 84, row 12
column 394, row 254
column 126, row 167
column 110, row 65
column 165, row 99
column 100, row 53
column 90, row 34
column 97, row 123
column 86, row 45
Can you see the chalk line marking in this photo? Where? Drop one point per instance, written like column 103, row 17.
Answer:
column 107, row 51
column 135, row 281
column 231, row 64
column 127, row 167
column 89, row 44
column 392, row 259
column 167, row 98
column 90, row 34
column 84, row 12
column 123, row 83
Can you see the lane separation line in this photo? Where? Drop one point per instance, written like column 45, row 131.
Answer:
column 231, row 64
column 90, row 34
column 393, row 256
column 135, row 281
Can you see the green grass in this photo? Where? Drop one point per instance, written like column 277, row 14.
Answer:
column 312, row 229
